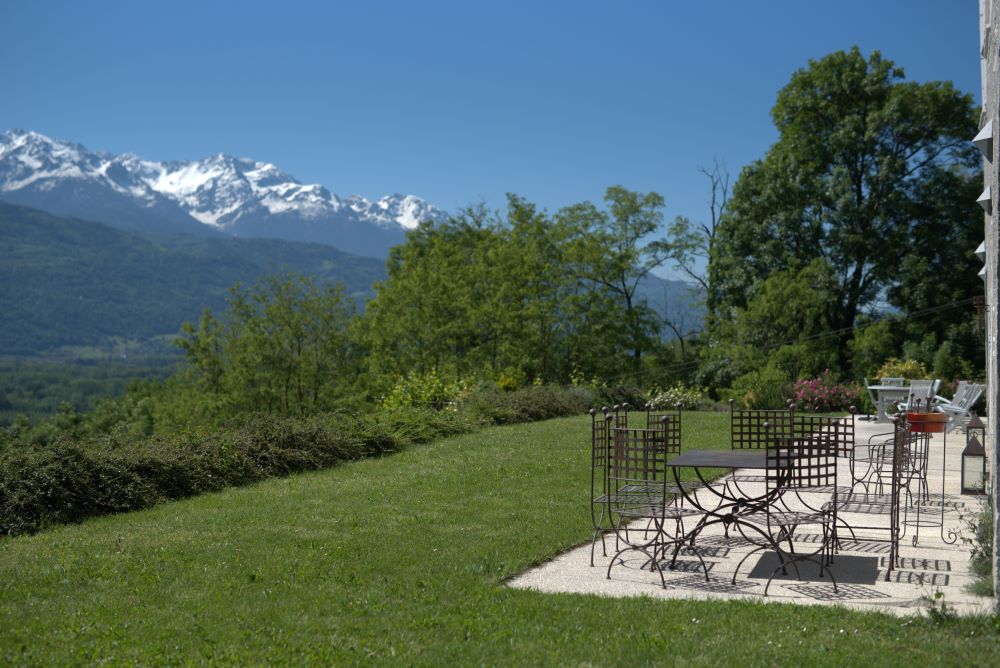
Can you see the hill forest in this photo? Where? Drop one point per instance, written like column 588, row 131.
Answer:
column 846, row 251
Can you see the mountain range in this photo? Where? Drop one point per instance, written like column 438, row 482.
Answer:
column 98, row 248
column 218, row 196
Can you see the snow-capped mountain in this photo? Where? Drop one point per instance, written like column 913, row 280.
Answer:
column 217, row 195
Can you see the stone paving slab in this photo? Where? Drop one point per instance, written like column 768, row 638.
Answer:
column 928, row 567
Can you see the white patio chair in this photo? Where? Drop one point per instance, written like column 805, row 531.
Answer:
column 959, row 407
column 922, row 393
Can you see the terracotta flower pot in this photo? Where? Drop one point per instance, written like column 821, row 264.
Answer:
column 927, row 423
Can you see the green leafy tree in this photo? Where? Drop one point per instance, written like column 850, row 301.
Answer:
column 441, row 308
column 937, row 276
column 872, row 344
column 784, row 327
column 284, row 346
column 610, row 254
column 857, row 147
column 538, row 295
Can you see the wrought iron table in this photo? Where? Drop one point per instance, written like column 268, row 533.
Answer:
column 736, row 505
column 733, row 501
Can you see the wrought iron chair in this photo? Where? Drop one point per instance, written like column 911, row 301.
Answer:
column 603, row 424
column 670, row 423
column 641, row 505
column 883, row 494
column 874, row 465
column 798, row 463
column 755, row 429
column 601, row 429
column 840, row 432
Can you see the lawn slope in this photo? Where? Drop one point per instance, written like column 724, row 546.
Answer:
column 402, row 560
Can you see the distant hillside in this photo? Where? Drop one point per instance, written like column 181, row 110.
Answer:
column 676, row 301
column 68, row 282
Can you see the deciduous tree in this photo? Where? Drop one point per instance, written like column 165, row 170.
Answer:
column 857, row 146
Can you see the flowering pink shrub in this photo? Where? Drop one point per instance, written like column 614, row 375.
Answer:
column 825, row 394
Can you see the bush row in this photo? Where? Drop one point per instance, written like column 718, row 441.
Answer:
column 76, row 478
column 528, row 404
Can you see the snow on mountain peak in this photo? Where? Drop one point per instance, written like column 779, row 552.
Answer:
column 218, row 190
column 406, row 210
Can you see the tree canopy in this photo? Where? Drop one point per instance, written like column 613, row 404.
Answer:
column 865, row 165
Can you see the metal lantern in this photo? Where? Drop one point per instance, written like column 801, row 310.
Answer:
column 974, row 458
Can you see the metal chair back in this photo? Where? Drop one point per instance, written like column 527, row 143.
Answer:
column 755, row 429
column 807, row 458
column 637, row 456
column 669, row 422
column 600, row 443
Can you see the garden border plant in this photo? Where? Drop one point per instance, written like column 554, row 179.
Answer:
column 79, row 477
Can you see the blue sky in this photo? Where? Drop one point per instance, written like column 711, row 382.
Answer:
column 457, row 102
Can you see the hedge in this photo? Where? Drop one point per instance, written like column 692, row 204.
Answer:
column 73, row 479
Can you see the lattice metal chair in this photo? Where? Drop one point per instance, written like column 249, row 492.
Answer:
column 840, row 432
column 670, row 423
column 800, row 463
column 601, row 430
column 755, row 429
column 874, row 466
column 641, row 503
column 603, row 424
column 883, row 497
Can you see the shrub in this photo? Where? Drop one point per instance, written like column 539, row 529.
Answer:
column 409, row 424
column 530, row 403
column 77, row 476
column 73, row 478
column 677, row 396
column 824, row 394
column 620, row 394
column 981, row 562
column 511, row 379
column 896, row 368
column 427, row 390
column 767, row 388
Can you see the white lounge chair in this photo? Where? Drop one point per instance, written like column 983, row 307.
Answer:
column 922, row 393
column 959, row 407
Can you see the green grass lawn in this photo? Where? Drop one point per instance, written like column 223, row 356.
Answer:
column 402, row 560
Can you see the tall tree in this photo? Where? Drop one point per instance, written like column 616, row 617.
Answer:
column 283, row 346
column 440, row 307
column 689, row 244
column 610, row 252
column 538, row 293
column 856, row 145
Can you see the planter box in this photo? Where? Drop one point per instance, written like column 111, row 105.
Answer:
column 927, row 423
